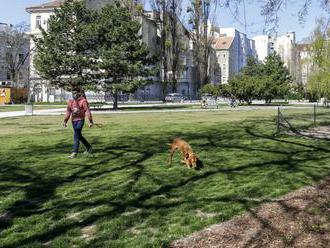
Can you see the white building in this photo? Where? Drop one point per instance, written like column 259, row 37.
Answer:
column 283, row 45
column 233, row 49
column 304, row 63
column 243, row 47
column 224, row 50
column 41, row 90
column 264, row 46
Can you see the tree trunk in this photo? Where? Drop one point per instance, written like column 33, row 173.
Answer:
column 268, row 100
column 29, row 94
column 164, row 87
column 115, row 100
column 175, row 44
column 174, row 83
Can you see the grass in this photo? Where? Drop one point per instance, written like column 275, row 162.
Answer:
column 9, row 108
column 126, row 195
column 6, row 108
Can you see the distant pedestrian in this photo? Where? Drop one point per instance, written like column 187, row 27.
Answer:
column 77, row 109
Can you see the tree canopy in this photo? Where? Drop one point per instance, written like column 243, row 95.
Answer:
column 124, row 62
column 89, row 49
column 64, row 53
column 319, row 82
column 256, row 81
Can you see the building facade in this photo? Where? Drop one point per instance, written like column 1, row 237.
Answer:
column 283, row 45
column 265, row 45
column 233, row 49
column 304, row 63
column 224, row 51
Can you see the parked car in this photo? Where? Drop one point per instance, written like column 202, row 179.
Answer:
column 174, row 97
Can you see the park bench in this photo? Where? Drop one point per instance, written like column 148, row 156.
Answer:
column 209, row 103
column 96, row 105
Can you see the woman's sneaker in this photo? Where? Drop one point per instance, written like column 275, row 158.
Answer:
column 72, row 155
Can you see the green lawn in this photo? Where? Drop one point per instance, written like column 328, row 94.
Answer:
column 126, row 195
column 7, row 108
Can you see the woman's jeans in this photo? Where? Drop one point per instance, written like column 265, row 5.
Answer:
column 77, row 127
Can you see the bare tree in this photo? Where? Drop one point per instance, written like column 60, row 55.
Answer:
column 15, row 55
column 200, row 17
column 161, row 7
column 177, row 41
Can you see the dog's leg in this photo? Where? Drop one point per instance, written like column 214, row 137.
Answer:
column 187, row 162
column 172, row 150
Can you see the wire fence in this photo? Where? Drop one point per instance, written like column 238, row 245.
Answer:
column 297, row 119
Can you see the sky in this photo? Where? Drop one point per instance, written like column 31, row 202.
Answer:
column 13, row 12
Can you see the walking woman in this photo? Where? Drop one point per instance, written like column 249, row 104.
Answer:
column 77, row 109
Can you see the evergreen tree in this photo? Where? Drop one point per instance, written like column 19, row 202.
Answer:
column 260, row 81
column 277, row 79
column 247, row 85
column 64, row 53
column 124, row 62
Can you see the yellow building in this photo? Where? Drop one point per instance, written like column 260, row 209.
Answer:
column 5, row 95
column 13, row 95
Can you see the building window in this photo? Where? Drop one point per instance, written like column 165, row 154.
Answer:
column 38, row 21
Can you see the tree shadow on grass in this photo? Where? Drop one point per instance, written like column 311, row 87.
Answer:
column 42, row 188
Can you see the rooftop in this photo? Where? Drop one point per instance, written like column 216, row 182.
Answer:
column 45, row 6
column 223, row 43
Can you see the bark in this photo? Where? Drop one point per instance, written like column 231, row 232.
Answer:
column 115, row 100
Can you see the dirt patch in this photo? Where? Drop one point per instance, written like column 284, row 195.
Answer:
column 205, row 215
column 299, row 219
column 319, row 132
column 132, row 212
column 74, row 216
column 88, row 232
column 48, row 243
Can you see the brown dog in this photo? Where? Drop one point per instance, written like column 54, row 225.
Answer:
column 189, row 157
